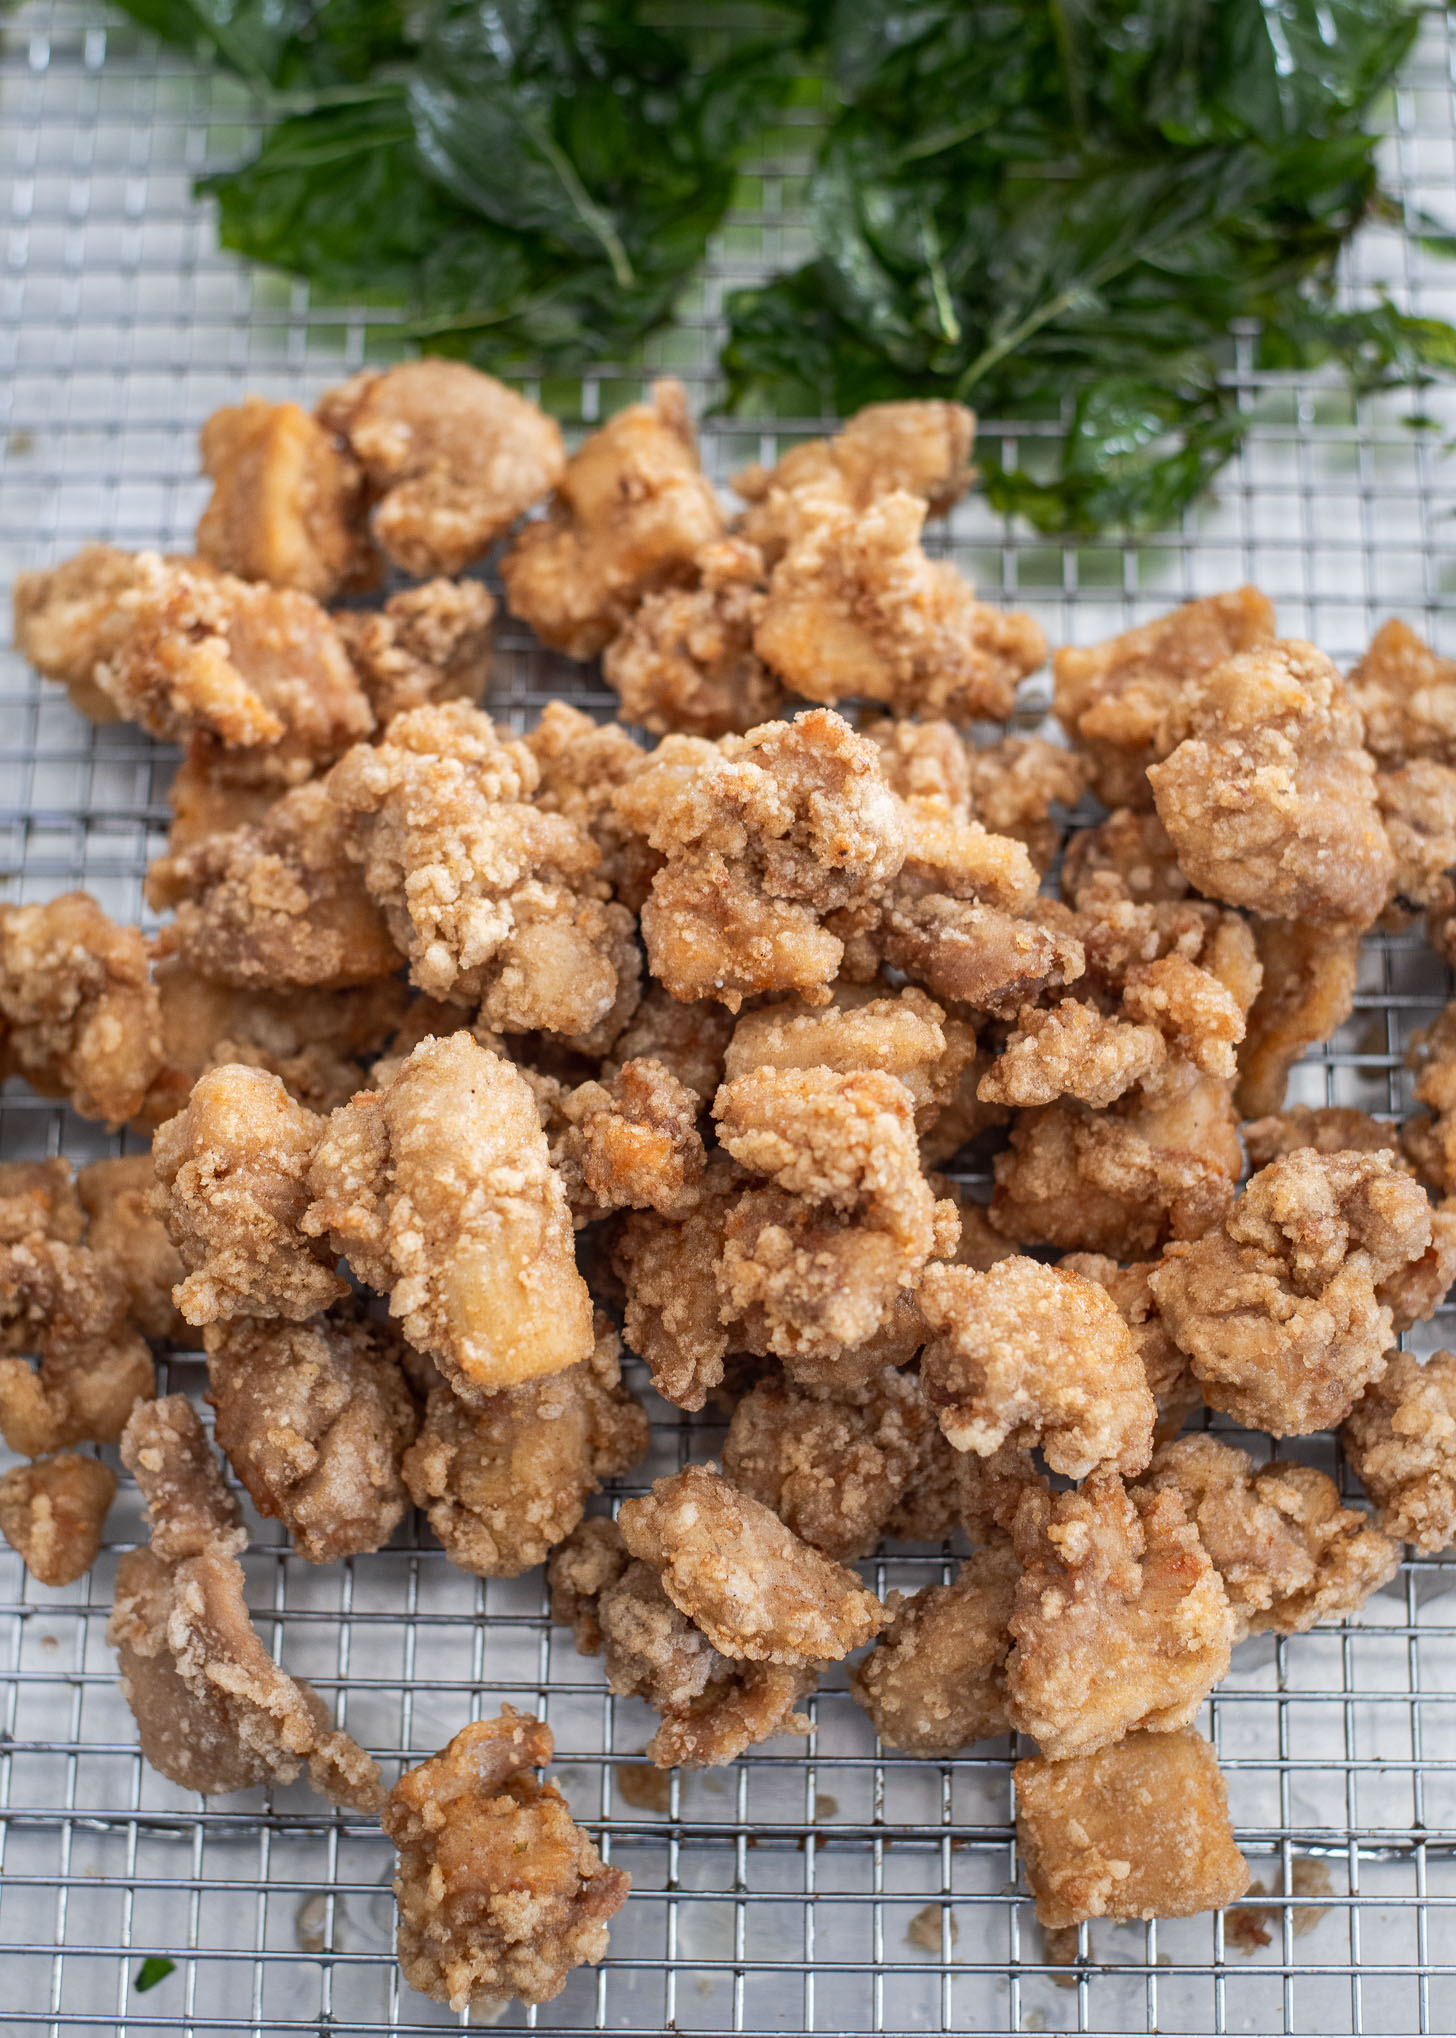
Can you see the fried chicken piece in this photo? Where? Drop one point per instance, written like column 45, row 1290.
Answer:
column 1034, row 1356
column 1307, row 992
column 1278, row 1311
column 832, row 1470
column 70, row 619
column 38, row 1199
column 1121, row 1622
column 1418, row 808
column 818, row 1260
column 1014, row 786
column 690, row 1040
column 936, row 1679
column 631, row 1142
column 124, row 1232
column 67, row 1304
column 1132, row 846
column 684, row 659
column 1400, row 1438
column 53, row 1513
column 233, row 1187
column 1072, row 1049
column 427, row 644
column 1288, row 1553
column 582, row 763
column 439, row 1192
column 314, row 1419
column 668, row 1268
column 1268, row 796
column 450, row 457
column 764, row 836
column 1407, row 697
column 78, row 1017
column 753, row 1587
column 500, row 1893
column 1111, row 697
column 504, row 1479
column 213, row 1710
column 1331, row 1128
column 856, row 609
column 278, row 906
column 631, row 510
column 1169, row 1375
column 1430, row 1141
column 287, row 501
column 1137, row 1830
column 579, row 1571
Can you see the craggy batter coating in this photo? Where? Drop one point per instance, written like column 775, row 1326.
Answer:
column 936, row 1679
column 287, row 501
column 630, row 511
column 1131, row 845
column 669, row 1268
column 1418, row 809
column 279, row 905
column 582, row 763
column 856, row 610
column 1071, row 1049
column 1328, row 1128
column 752, row 1586
column 1308, row 990
column 213, row 791
column 818, row 1259
column 1169, row 1375
column 832, row 1469
column 684, row 660
column 53, row 1512
column 213, row 1710
column 38, row 1199
column 1407, row 697
column 505, row 1479
column 1429, row 1139
column 232, row 1190
column 631, row 1142
column 428, row 643
column 1268, row 796
column 500, row 1894
column 690, row 1040
column 1278, row 1311
column 1400, row 1438
column 1014, row 784
column 491, row 899
column 314, row 1418
column 1288, row 1553
column 1121, row 1621
column 1111, row 697
column 1035, row 1356
column 67, row 1304
column 70, row 619
column 78, row 1015
column 1137, row 1830
column 451, row 458
column 124, row 1231
column 764, row 836
column 439, row 1191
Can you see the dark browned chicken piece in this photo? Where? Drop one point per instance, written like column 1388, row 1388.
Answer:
column 53, row 1512
column 936, row 1679
column 287, row 501
column 68, row 1305
column 78, row 1016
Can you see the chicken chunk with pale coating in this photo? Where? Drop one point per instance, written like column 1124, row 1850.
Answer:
column 427, row 644
column 53, row 1513
column 684, row 660
column 1169, row 1375
column 1400, row 1438
column 935, row 1681
column 287, row 504
column 500, row 1892
column 124, row 1231
column 39, row 1199
column 1014, row 786
column 668, row 1268
column 1418, row 807
column 1406, row 695
column 67, row 1305
column 79, row 1017
column 582, row 764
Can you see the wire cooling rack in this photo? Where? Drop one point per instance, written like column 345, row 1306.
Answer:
column 826, row 1886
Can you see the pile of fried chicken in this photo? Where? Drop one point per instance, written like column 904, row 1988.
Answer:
column 469, row 1057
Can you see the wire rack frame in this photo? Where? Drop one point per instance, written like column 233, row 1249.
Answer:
column 829, row 1886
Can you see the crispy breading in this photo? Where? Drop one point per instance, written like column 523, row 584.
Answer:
column 668, row 1269
column 124, row 1231
column 579, row 1571
column 1400, row 1438
column 232, row 1190
column 1308, row 991
column 67, row 1305
column 1071, row 1049
column 631, row 509
column 935, row 1681
column 1014, row 786
column 582, row 763
column 856, row 610
column 439, row 1192
column 78, row 1016
column 763, row 836
column 1429, row 1140
column 691, row 1040
column 1407, row 697
column 1029, row 1355
column 1278, row 1310
column 214, row 1712
column 70, row 619
column 38, row 1199
column 1131, row 845
column 631, row 1142
column 53, row 1513
column 1266, row 793
column 684, row 659
column 428, row 643
column 1328, row 1128
column 215, row 790
column 1418, row 807
column 928, row 763
column 1169, row 1375
column 287, row 502
column 752, row 1586
column 1111, row 697
column 314, row 1418
column 1137, row 1830
column 279, row 905
column 451, row 458
column 1288, row 1553
column 1121, row 1621
column 504, row 1479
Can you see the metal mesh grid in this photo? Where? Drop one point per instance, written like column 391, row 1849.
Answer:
column 778, row 1894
